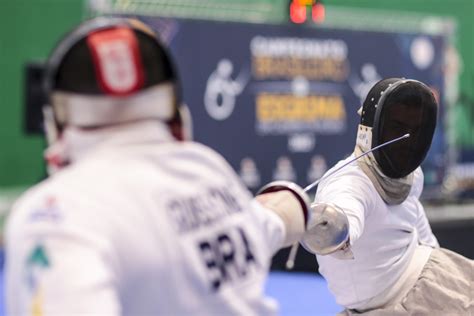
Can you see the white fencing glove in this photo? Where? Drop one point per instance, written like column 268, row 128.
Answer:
column 291, row 203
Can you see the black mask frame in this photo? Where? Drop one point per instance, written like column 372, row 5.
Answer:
column 420, row 140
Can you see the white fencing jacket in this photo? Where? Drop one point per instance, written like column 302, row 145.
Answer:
column 141, row 225
column 383, row 237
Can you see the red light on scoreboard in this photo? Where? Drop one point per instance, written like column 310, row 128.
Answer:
column 298, row 11
column 318, row 12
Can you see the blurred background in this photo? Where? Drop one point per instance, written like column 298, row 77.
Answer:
column 274, row 86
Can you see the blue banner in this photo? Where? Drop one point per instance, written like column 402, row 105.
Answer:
column 281, row 101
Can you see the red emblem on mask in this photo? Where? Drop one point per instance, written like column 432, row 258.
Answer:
column 117, row 60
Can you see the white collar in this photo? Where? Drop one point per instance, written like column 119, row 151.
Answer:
column 76, row 143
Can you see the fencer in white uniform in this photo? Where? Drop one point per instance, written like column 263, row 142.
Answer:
column 134, row 219
column 372, row 239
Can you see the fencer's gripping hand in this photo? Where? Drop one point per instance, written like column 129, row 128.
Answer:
column 328, row 232
column 291, row 203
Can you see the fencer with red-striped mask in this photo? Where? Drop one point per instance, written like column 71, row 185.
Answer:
column 136, row 219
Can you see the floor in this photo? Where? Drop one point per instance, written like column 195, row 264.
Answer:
column 301, row 294
column 297, row 293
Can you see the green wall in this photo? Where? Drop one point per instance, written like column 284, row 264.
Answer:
column 29, row 29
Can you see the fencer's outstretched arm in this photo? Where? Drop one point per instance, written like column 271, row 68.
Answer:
column 329, row 232
column 291, row 204
column 336, row 227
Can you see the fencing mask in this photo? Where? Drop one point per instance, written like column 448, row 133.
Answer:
column 392, row 108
